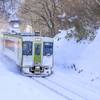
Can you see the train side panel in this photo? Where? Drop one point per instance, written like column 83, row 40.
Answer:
column 12, row 48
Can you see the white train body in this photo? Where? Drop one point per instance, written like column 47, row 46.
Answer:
column 32, row 54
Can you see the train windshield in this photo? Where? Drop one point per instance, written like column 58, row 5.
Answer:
column 48, row 48
column 27, row 48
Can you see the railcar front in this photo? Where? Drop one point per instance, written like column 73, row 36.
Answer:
column 37, row 56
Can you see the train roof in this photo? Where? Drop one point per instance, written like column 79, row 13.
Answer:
column 26, row 36
column 21, row 33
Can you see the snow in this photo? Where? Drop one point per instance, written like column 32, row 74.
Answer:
column 72, row 18
column 62, row 16
column 28, row 29
column 75, row 75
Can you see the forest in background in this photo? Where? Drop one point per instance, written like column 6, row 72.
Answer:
column 50, row 16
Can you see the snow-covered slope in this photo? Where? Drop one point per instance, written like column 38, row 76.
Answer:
column 90, row 58
column 83, row 56
column 67, row 52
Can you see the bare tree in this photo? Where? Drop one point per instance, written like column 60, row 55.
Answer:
column 42, row 13
column 85, row 10
column 8, row 7
column 82, row 14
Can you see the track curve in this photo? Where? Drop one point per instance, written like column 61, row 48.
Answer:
column 60, row 90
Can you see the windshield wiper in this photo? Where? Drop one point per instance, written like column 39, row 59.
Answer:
column 28, row 53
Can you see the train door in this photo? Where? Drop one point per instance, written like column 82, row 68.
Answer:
column 37, row 52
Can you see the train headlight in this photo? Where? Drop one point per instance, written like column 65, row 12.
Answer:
column 37, row 39
column 46, row 67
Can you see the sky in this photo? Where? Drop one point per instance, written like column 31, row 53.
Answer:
column 75, row 75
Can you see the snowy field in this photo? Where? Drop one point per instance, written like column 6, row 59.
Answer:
column 76, row 74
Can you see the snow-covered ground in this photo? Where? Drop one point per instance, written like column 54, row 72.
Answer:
column 76, row 74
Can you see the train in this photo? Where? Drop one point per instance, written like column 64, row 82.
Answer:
column 32, row 53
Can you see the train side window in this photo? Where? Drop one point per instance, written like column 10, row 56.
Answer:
column 48, row 48
column 9, row 44
column 27, row 48
column 37, row 50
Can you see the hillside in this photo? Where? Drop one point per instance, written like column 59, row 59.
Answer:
column 81, row 58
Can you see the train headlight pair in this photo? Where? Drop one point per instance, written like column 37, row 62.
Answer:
column 37, row 39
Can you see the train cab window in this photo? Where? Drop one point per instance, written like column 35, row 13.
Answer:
column 27, row 48
column 48, row 48
column 37, row 50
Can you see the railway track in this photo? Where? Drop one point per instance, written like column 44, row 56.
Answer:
column 58, row 89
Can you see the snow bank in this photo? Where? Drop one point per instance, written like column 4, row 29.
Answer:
column 90, row 58
column 66, row 53
column 84, row 57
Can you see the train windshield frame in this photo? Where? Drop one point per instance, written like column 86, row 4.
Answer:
column 27, row 48
column 47, row 48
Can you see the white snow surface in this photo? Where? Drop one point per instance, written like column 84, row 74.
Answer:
column 65, row 83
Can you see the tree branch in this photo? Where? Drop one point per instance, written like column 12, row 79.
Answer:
column 97, row 2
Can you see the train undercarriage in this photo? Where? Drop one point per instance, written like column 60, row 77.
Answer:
column 35, row 71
